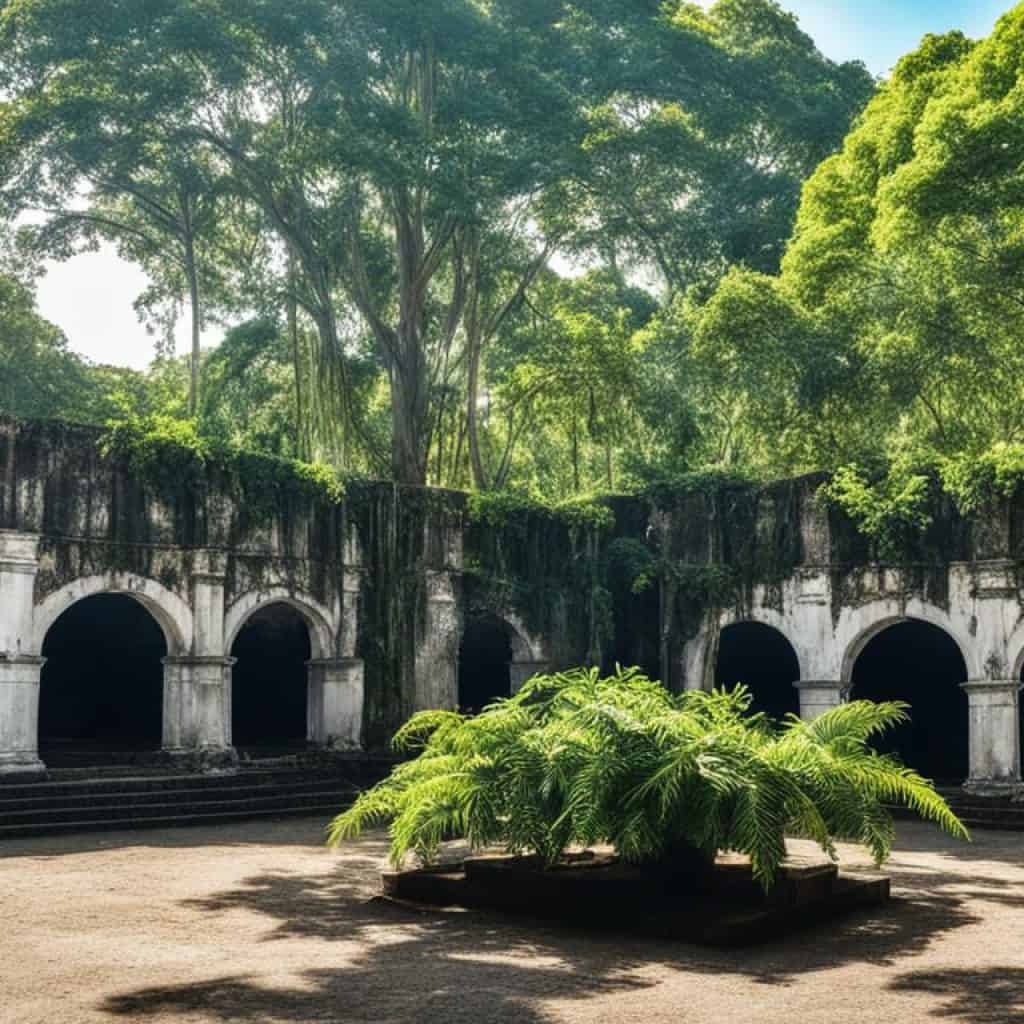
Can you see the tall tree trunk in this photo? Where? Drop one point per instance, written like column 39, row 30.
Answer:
column 408, row 439
column 410, row 436
column 193, row 293
column 480, row 481
column 302, row 440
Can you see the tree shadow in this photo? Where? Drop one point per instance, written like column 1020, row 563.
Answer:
column 397, row 964
column 394, row 965
column 991, row 995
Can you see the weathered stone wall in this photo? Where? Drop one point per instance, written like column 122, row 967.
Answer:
column 387, row 577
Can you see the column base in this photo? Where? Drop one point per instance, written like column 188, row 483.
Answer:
column 15, row 768
column 994, row 733
column 19, row 717
column 335, row 703
column 993, row 790
column 819, row 696
column 197, row 704
column 202, row 760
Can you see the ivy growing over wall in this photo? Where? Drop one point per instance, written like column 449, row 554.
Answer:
column 171, row 455
column 546, row 563
column 905, row 508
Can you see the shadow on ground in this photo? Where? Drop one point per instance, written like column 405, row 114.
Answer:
column 396, row 964
column 991, row 995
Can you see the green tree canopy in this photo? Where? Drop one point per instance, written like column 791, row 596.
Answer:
column 896, row 325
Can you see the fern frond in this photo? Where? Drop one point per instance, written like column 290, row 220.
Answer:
column 577, row 758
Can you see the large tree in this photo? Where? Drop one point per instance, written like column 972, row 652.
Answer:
column 898, row 318
column 372, row 136
column 696, row 157
column 39, row 376
column 91, row 163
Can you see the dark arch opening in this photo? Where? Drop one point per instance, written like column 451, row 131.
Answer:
column 920, row 664
column 760, row 657
column 269, row 690
column 101, row 692
column 484, row 660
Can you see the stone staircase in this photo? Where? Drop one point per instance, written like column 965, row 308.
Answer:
column 995, row 812
column 112, row 798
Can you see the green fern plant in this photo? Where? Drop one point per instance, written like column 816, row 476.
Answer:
column 577, row 759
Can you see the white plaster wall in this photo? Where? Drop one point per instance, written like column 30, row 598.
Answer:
column 983, row 618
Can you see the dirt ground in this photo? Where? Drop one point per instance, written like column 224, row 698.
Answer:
column 260, row 923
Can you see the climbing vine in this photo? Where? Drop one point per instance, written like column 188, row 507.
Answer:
column 499, row 509
column 545, row 562
column 897, row 506
column 171, row 455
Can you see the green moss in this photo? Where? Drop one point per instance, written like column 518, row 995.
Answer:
column 545, row 563
column 500, row 508
column 174, row 458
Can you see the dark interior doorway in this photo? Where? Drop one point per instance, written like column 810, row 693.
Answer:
column 269, row 679
column 761, row 658
column 484, row 660
column 101, row 690
column 920, row 664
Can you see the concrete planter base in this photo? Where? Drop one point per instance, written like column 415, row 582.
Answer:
column 722, row 907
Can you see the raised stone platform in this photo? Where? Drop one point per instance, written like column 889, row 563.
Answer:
column 595, row 890
column 115, row 797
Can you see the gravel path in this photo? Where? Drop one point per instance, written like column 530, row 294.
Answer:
column 259, row 923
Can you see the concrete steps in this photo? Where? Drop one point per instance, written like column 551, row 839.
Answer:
column 82, row 800
column 990, row 812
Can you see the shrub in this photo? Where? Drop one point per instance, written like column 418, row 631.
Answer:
column 574, row 758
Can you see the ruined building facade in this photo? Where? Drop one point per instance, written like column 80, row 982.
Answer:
column 160, row 609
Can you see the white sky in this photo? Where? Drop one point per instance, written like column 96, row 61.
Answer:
column 90, row 297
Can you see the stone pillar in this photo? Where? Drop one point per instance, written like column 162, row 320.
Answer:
column 335, row 692
column 335, row 703
column 817, row 697
column 197, row 710
column 208, row 604
column 351, row 610
column 994, row 733
column 20, row 664
column 19, row 563
column 520, row 671
column 197, row 686
column 437, row 645
column 19, row 715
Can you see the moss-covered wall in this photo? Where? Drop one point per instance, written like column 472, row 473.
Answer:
column 627, row 580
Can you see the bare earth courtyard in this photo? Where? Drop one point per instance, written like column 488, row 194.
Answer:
column 258, row 922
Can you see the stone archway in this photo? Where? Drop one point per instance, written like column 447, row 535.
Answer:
column 270, row 653
column 762, row 658
column 171, row 613
column 323, row 692
column 317, row 618
column 918, row 662
column 496, row 656
column 102, row 682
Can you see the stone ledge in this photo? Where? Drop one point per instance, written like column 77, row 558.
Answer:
column 593, row 890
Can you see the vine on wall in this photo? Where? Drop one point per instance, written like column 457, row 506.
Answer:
column 171, row 455
column 544, row 562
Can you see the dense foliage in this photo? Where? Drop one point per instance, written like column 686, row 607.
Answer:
column 171, row 454
column 401, row 200
column 579, row 759
column 552, row 249
column 891, row 342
